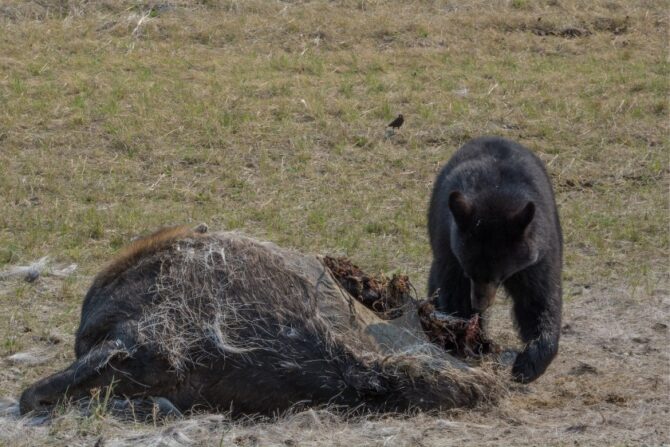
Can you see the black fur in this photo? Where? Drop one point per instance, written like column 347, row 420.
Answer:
column 493, row 221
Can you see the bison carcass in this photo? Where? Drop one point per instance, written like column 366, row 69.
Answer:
column 222, row 322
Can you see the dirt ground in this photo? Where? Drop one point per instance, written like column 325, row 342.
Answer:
column 608, row 386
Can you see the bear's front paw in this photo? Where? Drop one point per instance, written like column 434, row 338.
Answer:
column 534, row 360
column 524, row 370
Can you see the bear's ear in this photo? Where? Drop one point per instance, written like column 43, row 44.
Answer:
column 461, row 209
column 521, row 219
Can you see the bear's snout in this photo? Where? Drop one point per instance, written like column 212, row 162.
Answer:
column 482, row 295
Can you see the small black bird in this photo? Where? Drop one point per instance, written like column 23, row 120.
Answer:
column 396, row 123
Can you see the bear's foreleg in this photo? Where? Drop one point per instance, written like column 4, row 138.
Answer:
column 452, row 286
column 536, row 293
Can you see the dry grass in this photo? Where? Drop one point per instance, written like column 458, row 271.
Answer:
column 120, row 117
column 230, row 292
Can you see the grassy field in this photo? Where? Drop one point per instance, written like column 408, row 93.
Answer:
column 117, row 117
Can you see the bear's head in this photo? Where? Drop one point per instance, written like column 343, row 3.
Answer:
column 493, row 238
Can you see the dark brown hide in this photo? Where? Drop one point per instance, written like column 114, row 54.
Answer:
column 222, row 322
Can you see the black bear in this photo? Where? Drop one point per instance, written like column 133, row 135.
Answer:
column 493, row 221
